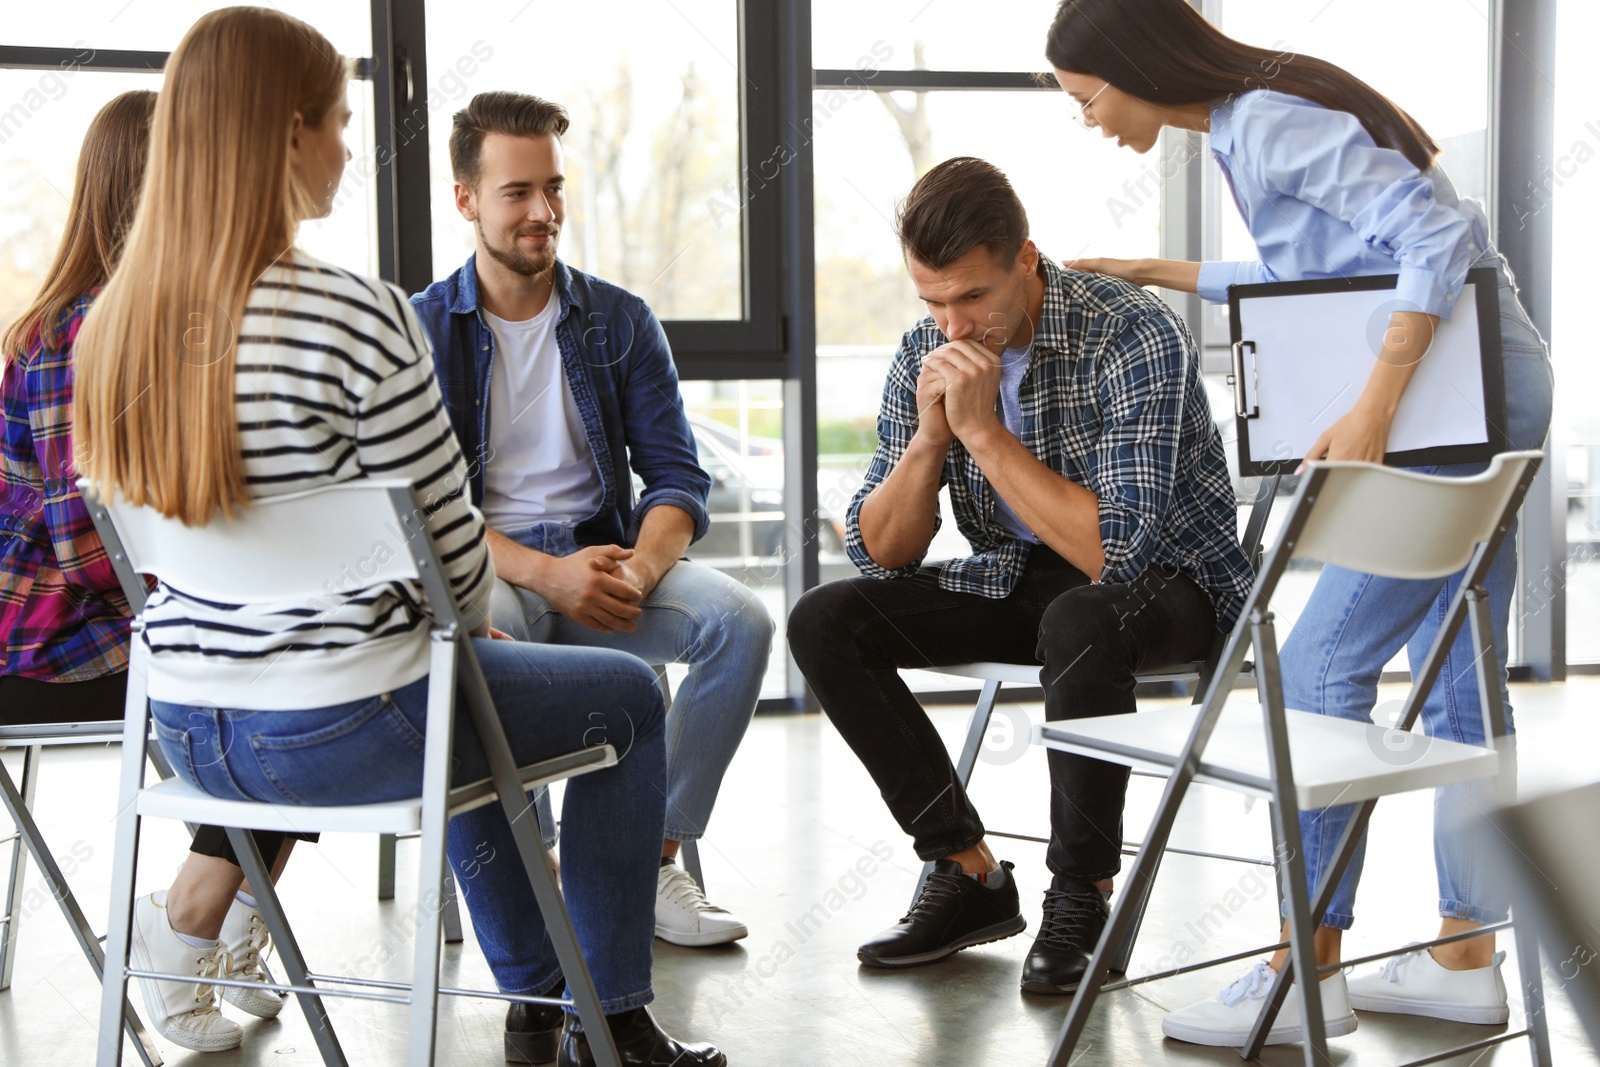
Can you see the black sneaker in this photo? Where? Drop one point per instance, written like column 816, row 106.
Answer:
column 951, row 913
column 1068, row 933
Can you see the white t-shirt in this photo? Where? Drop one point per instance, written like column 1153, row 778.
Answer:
column 541, row 468
column 1013, row 365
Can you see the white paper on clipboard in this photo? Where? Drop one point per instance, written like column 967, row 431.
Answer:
column 1313, row 353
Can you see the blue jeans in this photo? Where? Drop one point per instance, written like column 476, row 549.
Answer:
column 697, row 615
column 551, row 700
column 1355, row 623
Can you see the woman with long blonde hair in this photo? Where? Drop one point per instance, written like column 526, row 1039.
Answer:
column 64, row 617
column 221, row 366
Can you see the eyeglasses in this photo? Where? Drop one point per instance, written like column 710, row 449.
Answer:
column 1080, row 112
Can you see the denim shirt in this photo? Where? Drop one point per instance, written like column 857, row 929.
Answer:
column 623, row 381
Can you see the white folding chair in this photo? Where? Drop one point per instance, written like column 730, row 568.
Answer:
column 1556, row 887
column 27, row 840
column 690, row 853
column 1200, row 672
column 1430, row 528
column 289, row 542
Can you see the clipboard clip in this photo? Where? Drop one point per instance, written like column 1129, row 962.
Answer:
column 1241, row 395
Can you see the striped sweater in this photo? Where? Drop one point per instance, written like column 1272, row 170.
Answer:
column 334, row 381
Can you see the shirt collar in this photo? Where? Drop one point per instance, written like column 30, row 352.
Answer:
column 1222, row 123
column 1051, row 331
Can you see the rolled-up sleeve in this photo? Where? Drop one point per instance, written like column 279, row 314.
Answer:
column 661, row 448
column 897, row 422
column 1217, row 275
column 1327, row 159
column 1141, row 386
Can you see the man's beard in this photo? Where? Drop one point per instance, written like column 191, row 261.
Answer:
column 516, row 260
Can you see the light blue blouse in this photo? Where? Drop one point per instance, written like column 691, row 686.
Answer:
column 1322, row 200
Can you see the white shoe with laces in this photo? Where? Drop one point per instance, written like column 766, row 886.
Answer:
column 685, row 917
column 1415, row 984
column 244, row 938
column 1227, row 1018
column 185, row 1013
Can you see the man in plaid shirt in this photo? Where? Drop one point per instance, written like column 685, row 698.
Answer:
column 1065, row 413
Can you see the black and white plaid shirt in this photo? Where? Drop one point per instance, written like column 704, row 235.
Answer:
column 1111, row 401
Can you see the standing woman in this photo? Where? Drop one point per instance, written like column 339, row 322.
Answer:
column 222, row 366
column 64, row 621
column 1333, row 180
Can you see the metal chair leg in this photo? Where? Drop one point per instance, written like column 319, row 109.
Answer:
column 1533, row 1002
column 691, row 863
column 1140, row 904
column 386, row 849
column 977, row 726
column 18, row 805
column 294, row 964
column 1289, row 857
column 124, row 865
column 19, row 866
column 451, row 910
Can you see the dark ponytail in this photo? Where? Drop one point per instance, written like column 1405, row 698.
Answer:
column 1165, row 52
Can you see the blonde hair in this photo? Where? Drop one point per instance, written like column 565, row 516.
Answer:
column 110, row 169
column 153, row 405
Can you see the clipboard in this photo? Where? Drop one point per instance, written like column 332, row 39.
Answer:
column 1302, row 353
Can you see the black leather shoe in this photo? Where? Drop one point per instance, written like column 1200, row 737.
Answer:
column 1068, row 934
column 640, row 1043
column 951, row 913
column 534, row 1030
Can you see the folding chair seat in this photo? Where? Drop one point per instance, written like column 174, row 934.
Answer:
column 290, row 541
column 1432, row 528
column 26, row 839
column 994, row 675
column 452, row 908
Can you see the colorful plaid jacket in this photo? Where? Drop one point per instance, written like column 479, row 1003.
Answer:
column 63, row 617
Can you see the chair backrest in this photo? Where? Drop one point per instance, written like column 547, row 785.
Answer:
column 312, row 545
column 1401, row 524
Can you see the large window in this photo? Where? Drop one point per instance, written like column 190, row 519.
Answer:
column 39, row 138
column 131, row 25
column 44, row 115
column 652, row 156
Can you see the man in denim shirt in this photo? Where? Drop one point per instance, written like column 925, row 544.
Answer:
column 561, row 388
column 1065, row 413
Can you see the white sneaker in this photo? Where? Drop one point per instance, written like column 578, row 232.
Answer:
column 244, row 938
column 1227, row 1018
column 1415, row 984
column 185, row 1013
column 684, row 917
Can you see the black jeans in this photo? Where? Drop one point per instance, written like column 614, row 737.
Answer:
column 851, row 637
column 27, row 701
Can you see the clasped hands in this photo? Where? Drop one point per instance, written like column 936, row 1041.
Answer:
column 956, row 393
column 601, row 587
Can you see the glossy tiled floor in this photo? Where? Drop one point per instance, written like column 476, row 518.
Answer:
column 804, row 850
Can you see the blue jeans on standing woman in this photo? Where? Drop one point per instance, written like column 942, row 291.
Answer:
column 551, row 700
column 1355, row 623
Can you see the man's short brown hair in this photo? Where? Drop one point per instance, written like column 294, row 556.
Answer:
column 512, row 114
column 962, row 204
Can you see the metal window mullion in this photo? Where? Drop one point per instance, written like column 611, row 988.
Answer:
column 1522, row 123
column 399, row 81
column 799, row 288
